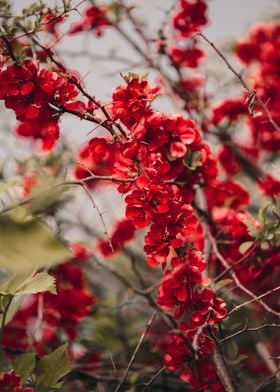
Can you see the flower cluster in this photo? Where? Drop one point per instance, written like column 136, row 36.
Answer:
column 94, row 19
column 11, row 382
column 190, row 17
column 36, row 95
column 58, row 314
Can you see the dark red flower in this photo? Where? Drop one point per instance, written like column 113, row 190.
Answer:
column 190, row 17
column 123, row 233
column 11, row 382
column 94, row 18
column 131, row 102
column 189, row 57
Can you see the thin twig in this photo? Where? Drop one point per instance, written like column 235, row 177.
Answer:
column 258, row 299
column 137, row 348
column 246, row 329
column 152, row 380
column 253, row 98
column 221, row 369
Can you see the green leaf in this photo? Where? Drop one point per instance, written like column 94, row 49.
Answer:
column 245, row 246
column 196, row 160
column 252, row 230
column 261, row 214
column 52, row 368
column 46, row 194
column 25, row 282
column 222, row 283
column 13, row 308
column 264, row 245
column 24, row 365
column 28, row 243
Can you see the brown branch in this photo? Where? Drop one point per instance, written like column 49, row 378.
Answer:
column 137, row 348
column 152, row 380
column 246, row 329
column 221, row 369
column 264, row 353
column 253, row 98
column 240, row 285
column 76, row 83
column 258, row 299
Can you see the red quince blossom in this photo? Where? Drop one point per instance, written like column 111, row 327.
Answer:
column 122, row 234
column 211, row 308
column 190, row 17
column 18, row 81
column 131, row 102
column 51, row 21
column 178, row 354
column 261, row 48
column 80, row 252
column 269, row 185
column 202, row 377
column 30, row 93
column 227, row 194
column 157, row 244
column 11, row 382
column 95, row 19
column 189, row 57
column 47, row 132
column 97, row 157
column 191, row 90
column 147, row 203
column 176, row 290
column 229, row 109
column 60, row 312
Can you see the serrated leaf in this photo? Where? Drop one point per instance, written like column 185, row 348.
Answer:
column 26, row 282
column 52, row 368
column 222, row 283
column 46, row 193
column 13, row 308
column 28, row 243
column 261, row 214
column 24, row 365
column 252, row 230
column 245, row 246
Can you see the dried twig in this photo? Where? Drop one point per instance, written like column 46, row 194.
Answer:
column 137, row 348
column 253, row 99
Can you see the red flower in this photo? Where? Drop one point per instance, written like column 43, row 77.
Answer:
column 131, row 102
column 211, row 308
column 47, row 132
column 191, row 17
column 176, row 290
column 50, row 22
column 227, row 194
column 229, row 109
column 94, row 18
column 189, row 57
column 80, row 252
column 97, row 157
column 146, row 203
column 123, row 233
column 18, row 81
column 270, row 186
column 11, row 382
